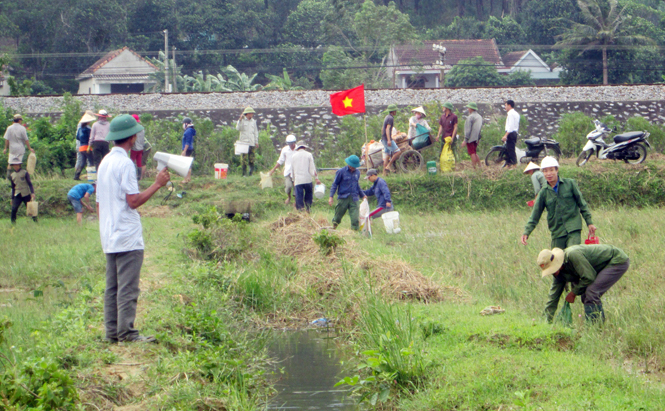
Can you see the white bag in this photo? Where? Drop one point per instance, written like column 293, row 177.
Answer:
column 241, row 148
column 364, row 216
column 266, row 180
column 375, row 154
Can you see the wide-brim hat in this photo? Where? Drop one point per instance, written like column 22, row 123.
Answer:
column 88, row 117
column 16, row 160
column 18, row 117
column 352, row 161
column 448, row 105
column 248, row 110
column 102, row 113
column 301, row 144
column 122, row 127
column 392, row 107
column 550, row 261
column 472, row 106
column 419, row 110
column 531, row 166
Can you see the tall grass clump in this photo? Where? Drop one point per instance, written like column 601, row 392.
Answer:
column 391, row 359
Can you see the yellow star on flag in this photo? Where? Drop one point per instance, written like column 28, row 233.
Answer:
column 348, row 102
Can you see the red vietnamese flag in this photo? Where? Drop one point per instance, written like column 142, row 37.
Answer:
column 348, row 101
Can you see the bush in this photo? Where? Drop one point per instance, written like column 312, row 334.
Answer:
column 474, row 72
column 657, row 137
column 573, row 127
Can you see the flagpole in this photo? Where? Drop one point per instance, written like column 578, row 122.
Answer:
column 366, row 146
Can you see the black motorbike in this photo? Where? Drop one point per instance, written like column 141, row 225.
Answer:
column 536, row 149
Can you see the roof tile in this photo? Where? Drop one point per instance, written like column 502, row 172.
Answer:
column 456, row 50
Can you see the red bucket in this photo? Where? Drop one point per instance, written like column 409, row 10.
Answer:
column 530, row 203
column 592, row 240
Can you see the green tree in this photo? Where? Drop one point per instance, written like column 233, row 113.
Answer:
column 504, row 30
column 304, row 26
column 237, row 81
column 281, row 83
column 605, row 23
column 474, row 72
column 519, row 78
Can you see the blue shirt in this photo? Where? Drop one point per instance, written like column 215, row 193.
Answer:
column 188, row 138
column 556, row 187
column 83, row 135
column 346, row 184
column 79, row 190
column 381, row 191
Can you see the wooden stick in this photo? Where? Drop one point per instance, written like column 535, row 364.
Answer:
column 366, row 146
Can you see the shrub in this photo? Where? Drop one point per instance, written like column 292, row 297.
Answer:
column 327, row 241
column 657, row 137
column 573, row 127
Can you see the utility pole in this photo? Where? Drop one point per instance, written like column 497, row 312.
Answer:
column 175, row 79
column 166, row 61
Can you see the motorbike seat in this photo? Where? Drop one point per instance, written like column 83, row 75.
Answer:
column 534, row 141
column 620, row 138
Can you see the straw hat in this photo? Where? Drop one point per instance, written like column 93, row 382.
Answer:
column 531, row 166
column 88, row 117
column 16, row 160
column 248, row 110
column 550, row 261
column 102, row 113
column 18, row 117
column 301, row 144
column 419, row 110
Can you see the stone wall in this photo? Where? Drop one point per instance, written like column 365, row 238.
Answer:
column 290, row 110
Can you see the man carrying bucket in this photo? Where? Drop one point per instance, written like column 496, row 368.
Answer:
column 285, row 159
column 382, row 193
column 348, row 192
column 565, row 208
column 249, row 134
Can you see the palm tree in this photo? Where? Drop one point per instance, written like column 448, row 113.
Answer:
column 603, row 26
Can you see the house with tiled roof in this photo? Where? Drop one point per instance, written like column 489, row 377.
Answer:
column 425, row 65
column 119, row 71
column 528, row 60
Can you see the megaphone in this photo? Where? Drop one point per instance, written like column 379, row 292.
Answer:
column 178, row 164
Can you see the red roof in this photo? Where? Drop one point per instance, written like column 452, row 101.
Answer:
column 110, row 56
column 510, row 59
column 456, row 50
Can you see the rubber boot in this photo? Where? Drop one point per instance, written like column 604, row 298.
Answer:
column 251, row 170
column 594, row 314
column 77, row 174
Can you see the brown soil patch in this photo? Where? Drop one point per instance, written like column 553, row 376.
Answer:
column 393, row 278
column 156, row 211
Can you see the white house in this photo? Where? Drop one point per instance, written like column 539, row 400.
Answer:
column 425, row 65
column 530, row 61
column 4, row 87
column 120, row 71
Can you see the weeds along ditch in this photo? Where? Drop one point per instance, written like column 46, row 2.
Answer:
column 408, row 304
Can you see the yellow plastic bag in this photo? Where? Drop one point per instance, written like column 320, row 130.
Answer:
column 32, row 163
column 447, row 160
column 266, row 181
column 33, row 209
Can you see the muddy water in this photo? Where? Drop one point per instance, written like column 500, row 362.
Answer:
column 310, row 361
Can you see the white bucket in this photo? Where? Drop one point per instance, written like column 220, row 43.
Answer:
column 220, row 171
column 92, row 174
column 319, row 191
column 241, row 148
column 391, row 221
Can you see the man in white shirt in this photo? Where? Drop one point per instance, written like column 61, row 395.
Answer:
column 284, row 159
column 16, row 139
column 302, row 171
column 512, row 128
column 118, row 197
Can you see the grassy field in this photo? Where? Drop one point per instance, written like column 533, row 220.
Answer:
column 413, row 300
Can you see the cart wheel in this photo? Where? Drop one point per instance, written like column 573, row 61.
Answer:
column 411, row 161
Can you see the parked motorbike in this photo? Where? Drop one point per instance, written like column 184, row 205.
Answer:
column 536, row 149
column 629, row 147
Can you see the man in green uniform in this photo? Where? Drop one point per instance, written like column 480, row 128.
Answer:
column 565, row 208
column 591, row 270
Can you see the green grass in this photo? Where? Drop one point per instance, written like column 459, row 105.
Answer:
column 205, row 313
